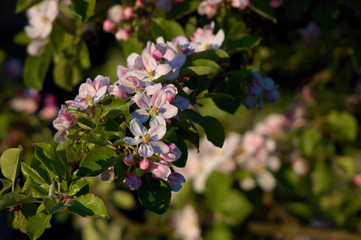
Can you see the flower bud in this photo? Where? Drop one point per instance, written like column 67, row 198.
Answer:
column 128, row 12
column 108, row 25
column 122, row 34
column 134, row 182
column 144, row 164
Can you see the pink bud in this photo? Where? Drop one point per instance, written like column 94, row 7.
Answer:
column 140, row 3
column 357, row 180
column 144, row 164
column 108, row 25
column 160, row 170
column 128, row 12
column 122, row 34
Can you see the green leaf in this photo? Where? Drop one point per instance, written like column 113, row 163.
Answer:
column 47, row 155
column 218, row 186
column 22, row 38
column 67, row 73
column 242, row 41
column 36, row 67
column 235, row 206
column 85, row 8
column 300, row 209
column 204, row 67
column 22, row 5
column 10, row 163
column 168, row 29
column 88, row 205
column 310, row 138
column 211, row 54
column 184, row 8
column 321, row 178
column 37, row 225
column 343, row 124
column 123, row 199
column 17, row 220
column 263, row 8
column 154, row 194
column 132, row 45
column 5, row 186
column 86, row 124
column 212, row 127
column 32, row 188
column 29, row 172
column 14, row 198
column 95, row 138
column 83, row 55
column 219, row 231
column 77, row 185
column 39, row 168
column 96, row 161
column 116, row 104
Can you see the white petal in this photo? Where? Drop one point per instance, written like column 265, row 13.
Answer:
column 145, row 150
column 132, row 141
column 157, row 120
column 159, row 146
column 141, row 115
column 137, row 128
column 157, row 132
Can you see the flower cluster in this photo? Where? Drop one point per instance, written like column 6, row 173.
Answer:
column 41, row 17
column 255, row 154
column 261, row 88
column 209, row 7
column 146, row 82
column 116, row 21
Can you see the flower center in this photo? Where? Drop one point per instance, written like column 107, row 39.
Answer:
column 147, row 138
column 207, row 46
column 149, row 73
column 89, row 99
column 153, row 111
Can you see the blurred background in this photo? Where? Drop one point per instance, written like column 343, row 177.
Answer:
column 289, row 171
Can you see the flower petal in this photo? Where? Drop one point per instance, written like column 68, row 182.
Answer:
column 141, row 115
column 132, row 141
column 145, row 150
column 159, row 147
column 137, row 128
column 157, row 132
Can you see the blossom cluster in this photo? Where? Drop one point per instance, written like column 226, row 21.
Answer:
column 153, row 104
column 255, row 153
column 209, row 7
column 41, row 17
column 117, row 19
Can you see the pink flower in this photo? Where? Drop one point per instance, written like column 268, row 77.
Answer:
column 35, row 47
column 204, row 38
column 41, row 19
column 62, row 123
column 108, row 25
column 122, row 34
column 91, row 92
column 149, row 140
column 357, row 180
column 205, row 8
column 157, row 105
column 49, row 112
column 242, row 4
column 173, row 155
column 160, row 170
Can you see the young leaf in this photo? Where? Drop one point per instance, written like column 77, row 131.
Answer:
column 343, row 124
column 88, row 205
column 36, row 67
column 5, row 186
column 263, row 8
column 34, row 189
column 22, row 5
column 214, row 130
column 85, row 8
column 14, row 198
column 37, row 225
column 10, row 163
column 154, row 194
column 77, row 185
column 96, row 161
column 169, row 29
column 29, row 172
